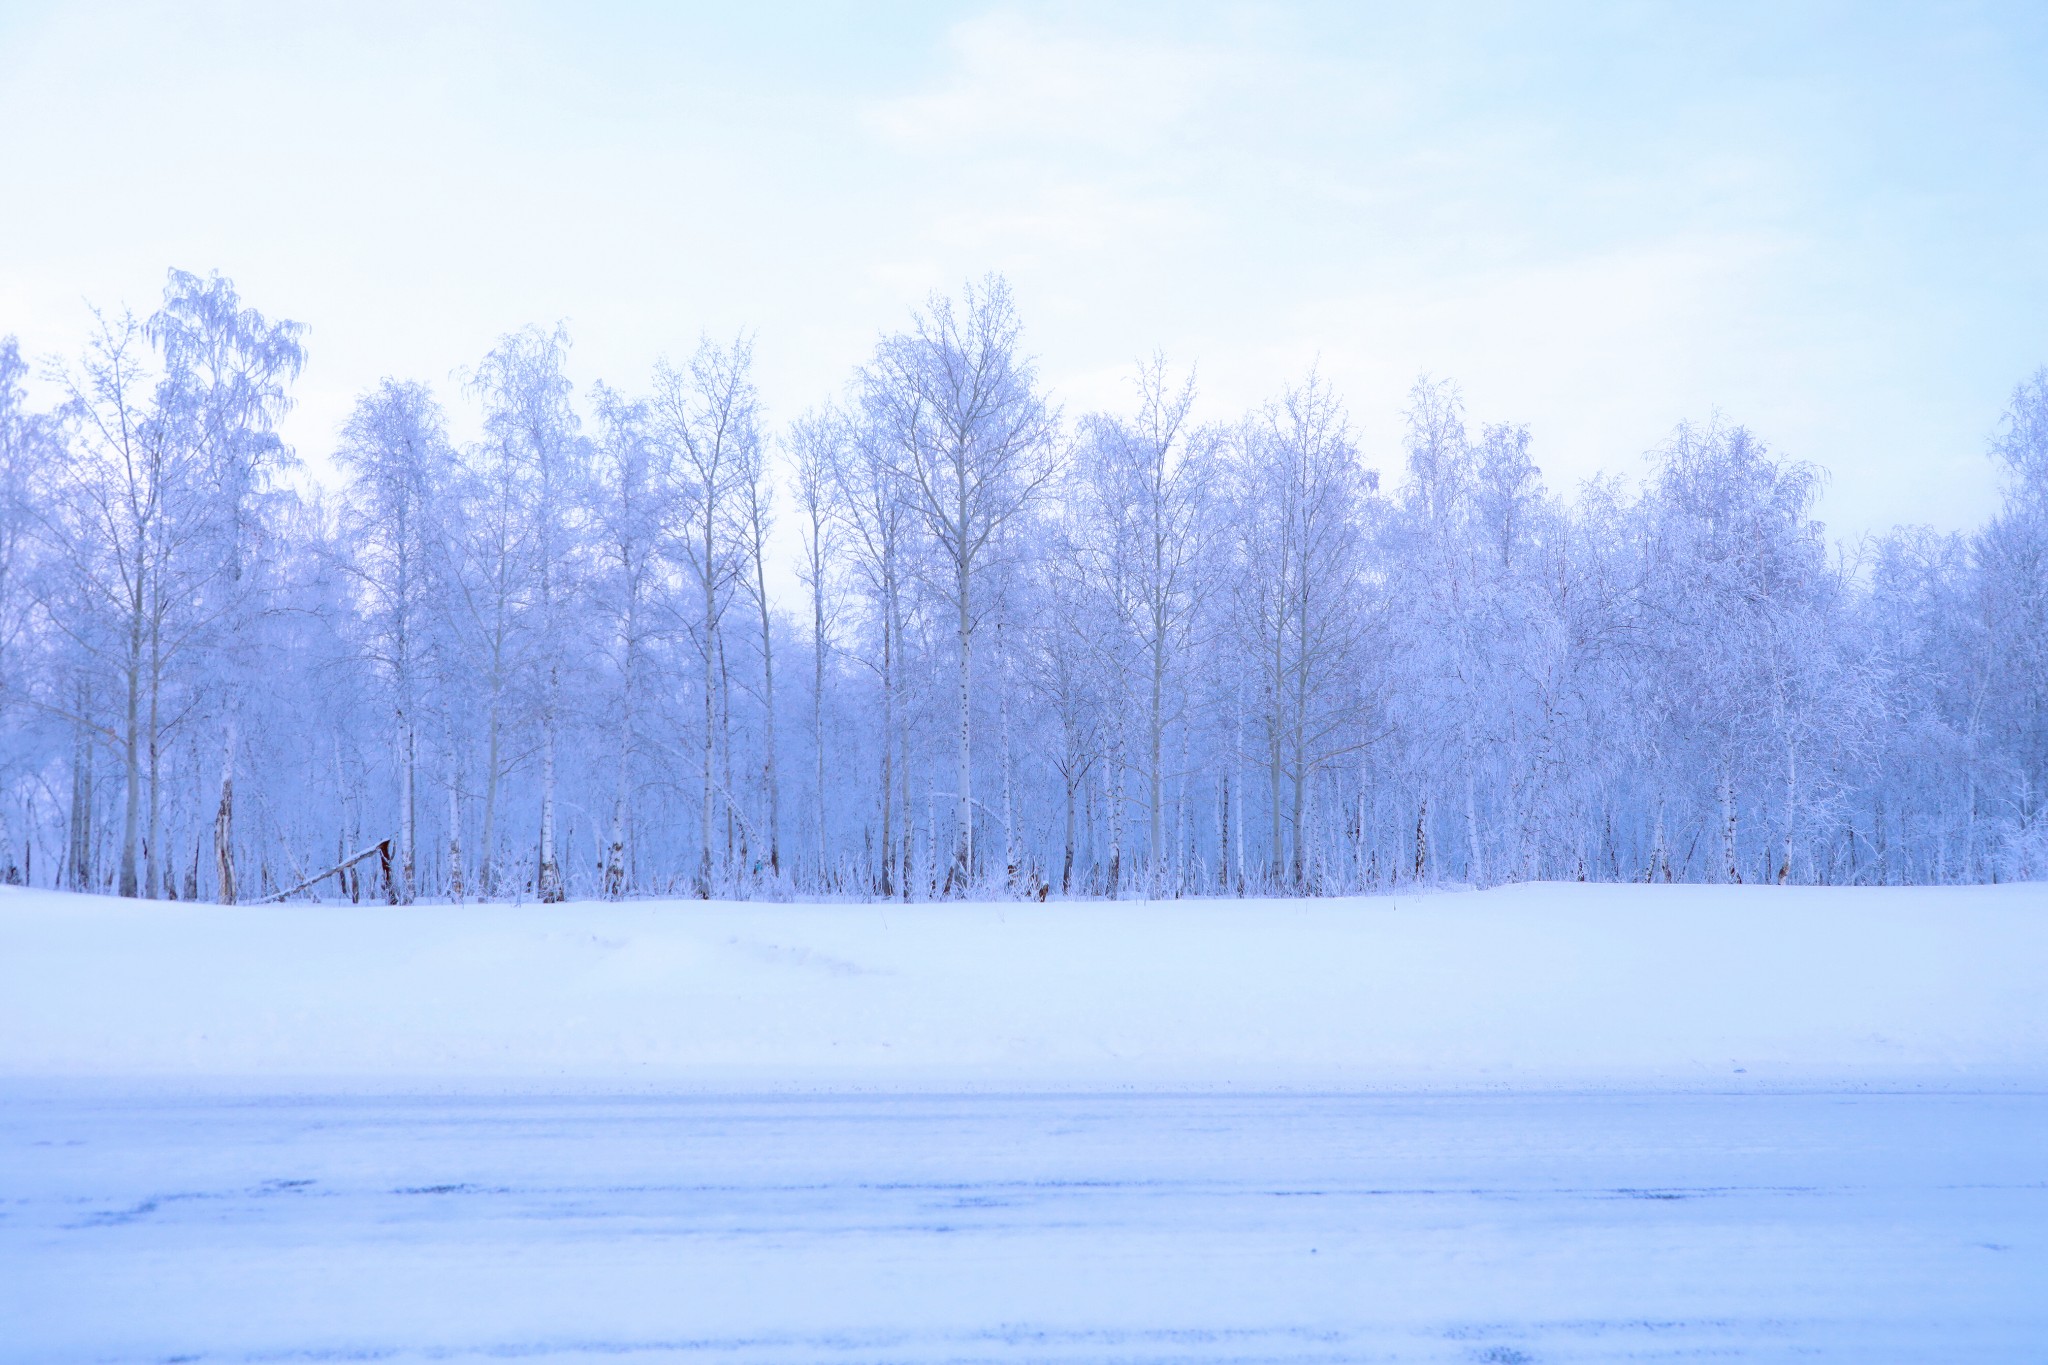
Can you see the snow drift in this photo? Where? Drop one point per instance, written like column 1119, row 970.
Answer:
column 1522, row 987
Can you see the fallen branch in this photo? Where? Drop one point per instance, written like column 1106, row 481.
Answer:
column 383, row 847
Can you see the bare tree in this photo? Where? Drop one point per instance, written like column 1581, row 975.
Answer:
column 814, row 442
column 227, row 370
column 707, row 417
column 527, row 414
column 874, row 516
column 1143, row 512
column 630, row 494
column 968, row 436
column 1299, row 598
column 395, row 450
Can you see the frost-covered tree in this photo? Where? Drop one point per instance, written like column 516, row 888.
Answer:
column 1141, row 509
column 874, row 517
column 227, row 371
column 1299, row 602
column 815, row 441
column 958, row 418
column 528, row 418
column 396, row 456
column 631, row 494
column 1148, row 656
column 708, row 417
column 2012, row 555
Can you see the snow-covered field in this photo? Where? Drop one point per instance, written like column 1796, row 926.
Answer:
column 1527, row 987
column 1536, row 1124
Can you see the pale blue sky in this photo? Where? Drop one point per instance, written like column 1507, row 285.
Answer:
column 1829, row 222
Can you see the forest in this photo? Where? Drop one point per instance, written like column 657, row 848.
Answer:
column 1024, row 652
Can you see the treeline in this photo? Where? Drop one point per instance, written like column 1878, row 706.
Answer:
column 1027, row 653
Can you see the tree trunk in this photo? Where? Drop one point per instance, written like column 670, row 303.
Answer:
column 906, row 812
column 1114, row 781
column 888, row 869
column 1009, row 810
column 710, row 741
column 487, row 843
column 736, row 852
column 1299, row 796
column 1731, row 870
column 615, row 851
column 1155, row 734
column 548, row 887
column 224, row 824
column 78, row 869
column 1067, row 859
column 1183, row 834
column 818, row 715
column 131, row 760
column 768, row 772
column 192, row 868
column 963, row 835
column 1223, row 833
column 455, row 887
column 1422, row 842
column 1276, row 863
column 154, row 867
column 408, row 824
column 1791, row 809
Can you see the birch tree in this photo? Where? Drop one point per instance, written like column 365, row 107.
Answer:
column 631, row 494
column 1299, row 517
column 227, row 374
column 874, row 516
column 815, row 441
column 971, row 442
column 1144, row 507
column 395, row 451
column 527, row 414
column 708, row 417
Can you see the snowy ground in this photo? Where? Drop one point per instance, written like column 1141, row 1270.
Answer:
column 1125, row 1228
column 1528, row 987
column 1541, row 1124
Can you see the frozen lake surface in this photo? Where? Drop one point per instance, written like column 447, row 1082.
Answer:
column 152, row 1224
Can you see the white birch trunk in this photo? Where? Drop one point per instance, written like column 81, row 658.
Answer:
column 224, row 824
column 1730, row 869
